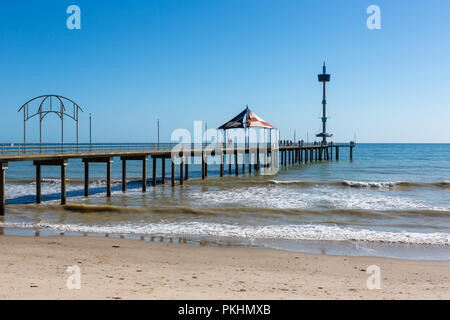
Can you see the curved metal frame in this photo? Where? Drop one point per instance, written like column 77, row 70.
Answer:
column 43, row 113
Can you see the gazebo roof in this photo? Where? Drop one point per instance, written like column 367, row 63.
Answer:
column 246, row 119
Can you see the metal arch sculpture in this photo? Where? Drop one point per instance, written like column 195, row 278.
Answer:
column 42, row 113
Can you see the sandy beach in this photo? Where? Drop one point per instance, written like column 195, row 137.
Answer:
column 36, row 268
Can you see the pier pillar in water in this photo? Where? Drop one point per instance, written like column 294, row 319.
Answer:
column 63, row 183
column 154, row 170
column 38, row 183
column 337, row 153
column 186, row 169
column 236, row 163
column 331, row 153
column 222, row 162
column 328, row 153
column 351, row 153
column 258, row 164
column 124, row 175
column 229, row 164
column 181, row 168
column 250, row 161
column 86, row 179
column 144, row 174
column 243, row 162
column 203, row 166
column 3, row 167
column 173, row 173
column 108, row 178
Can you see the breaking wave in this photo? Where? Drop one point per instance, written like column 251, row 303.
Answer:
column 281, row 232
column 365, row 184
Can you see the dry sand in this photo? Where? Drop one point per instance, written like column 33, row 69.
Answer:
column 35, row 268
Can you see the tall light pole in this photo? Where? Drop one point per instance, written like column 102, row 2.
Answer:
column 90, row 131
column 158, row 132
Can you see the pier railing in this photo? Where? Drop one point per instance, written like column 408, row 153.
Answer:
column 53, row 148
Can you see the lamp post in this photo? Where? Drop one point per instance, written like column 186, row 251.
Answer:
column 90, row 131
column 158, row 132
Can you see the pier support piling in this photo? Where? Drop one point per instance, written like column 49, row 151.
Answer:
column 154, row 171
column 181, row 169
column 86, row 179
column 203, row 166
column 63, row 183
column 173, row 173
column 38, row 183
column 3, row 168
column 222, row 162
column 124, row 175
column 337, row 153
column 351, row 153
column 258, row 164
column 108, row 178
column 236, row 163
column 144, row 174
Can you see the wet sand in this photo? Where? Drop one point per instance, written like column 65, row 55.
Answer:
column 36, row 268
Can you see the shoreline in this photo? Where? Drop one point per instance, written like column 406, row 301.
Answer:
column 401, row 251
column 114, row 268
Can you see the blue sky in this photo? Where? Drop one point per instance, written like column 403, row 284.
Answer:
column 133, row 62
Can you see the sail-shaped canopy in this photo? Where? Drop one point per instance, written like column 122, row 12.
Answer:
column 246, row 119
column 236, row 122
column 255, row 121
column 321, row 135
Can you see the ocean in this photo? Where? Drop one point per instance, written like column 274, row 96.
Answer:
column 392, row 200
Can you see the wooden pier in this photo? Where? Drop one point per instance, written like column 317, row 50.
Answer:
column 282, row 156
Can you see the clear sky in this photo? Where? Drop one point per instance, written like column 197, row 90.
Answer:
column 134, row 61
